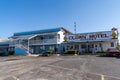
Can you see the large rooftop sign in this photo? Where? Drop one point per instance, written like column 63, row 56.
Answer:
column 94, row 36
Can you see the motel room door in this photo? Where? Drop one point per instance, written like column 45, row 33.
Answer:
column 87, row 48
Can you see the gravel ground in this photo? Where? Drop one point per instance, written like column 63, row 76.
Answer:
column 84, row 67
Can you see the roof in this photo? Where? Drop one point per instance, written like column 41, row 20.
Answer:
column 37, row 32
column 40, row 31
column 68, row 32
column 94, row 32
column 4, row 44
column 24, row 37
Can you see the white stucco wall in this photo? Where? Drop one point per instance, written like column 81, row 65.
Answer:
column 106, row 45
column 61, row 37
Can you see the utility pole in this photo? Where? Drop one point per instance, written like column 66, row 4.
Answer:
column 75, row 32
column 75, row 27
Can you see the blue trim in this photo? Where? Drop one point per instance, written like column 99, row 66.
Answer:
column 34, row 49
column 5, row 52
column 1, row 45
column 37, row 32
column 47, row 47
column 19, row 51
column 4, row 43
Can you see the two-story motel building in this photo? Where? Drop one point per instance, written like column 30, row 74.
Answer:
column 39, row 41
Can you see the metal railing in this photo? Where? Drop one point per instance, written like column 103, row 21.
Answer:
column 44, row 41
column 22, row 46
column 25, row 47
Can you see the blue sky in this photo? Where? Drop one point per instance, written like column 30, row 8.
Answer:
column 27, row 15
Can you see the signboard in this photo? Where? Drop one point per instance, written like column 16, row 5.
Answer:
column 94, row 36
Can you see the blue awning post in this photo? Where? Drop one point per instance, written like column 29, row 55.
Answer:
column 87, row 45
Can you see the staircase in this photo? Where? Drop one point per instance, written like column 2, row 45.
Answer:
column 28, row 51
column 25, row 47
column 21, row 46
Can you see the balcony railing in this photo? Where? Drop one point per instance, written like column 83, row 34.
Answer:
column 44, row 41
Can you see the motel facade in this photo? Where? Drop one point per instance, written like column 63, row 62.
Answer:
column 60, row 40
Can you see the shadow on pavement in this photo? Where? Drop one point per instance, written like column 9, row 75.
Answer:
column 104, row 56
column 11, row 59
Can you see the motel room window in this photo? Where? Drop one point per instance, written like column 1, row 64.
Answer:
column 51, row 47
column 41, row 37
column 68, row 47
column 83, row 46
column 41, row 47
column 96, row 47
column 100, row 45
column 71, row 46
column 112, row 44
column 58, row 36
column 51, row 36
column 76, row 46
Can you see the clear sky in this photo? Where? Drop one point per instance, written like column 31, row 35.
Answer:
column 27, row 15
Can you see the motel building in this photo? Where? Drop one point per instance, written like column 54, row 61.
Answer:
column 38, row 41
column 92, row 42
column 59, row 40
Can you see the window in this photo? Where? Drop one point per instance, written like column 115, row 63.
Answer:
column 76, row 46
column 71, row 46
column 41, row 37
column 112, row 44
column 58, row 36
column 51, row 36
column 92, row 46
column 83, row 46
column 52, row 47
column 100, row 45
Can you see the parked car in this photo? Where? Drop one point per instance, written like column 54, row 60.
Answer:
column 71, row 52
column 48, row 53
column 113, row 52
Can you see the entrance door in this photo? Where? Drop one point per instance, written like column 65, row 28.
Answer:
column 90, row 48
column 83, row 48
column 76, row 47
column 87, row 48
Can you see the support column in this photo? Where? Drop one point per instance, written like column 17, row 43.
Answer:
column 57, row 49
column 43, row 44
column 28, row 48
column 87, row 46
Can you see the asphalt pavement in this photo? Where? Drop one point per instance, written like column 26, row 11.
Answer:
column 82, row 67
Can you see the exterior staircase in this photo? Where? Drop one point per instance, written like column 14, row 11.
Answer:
column 25, row 47
column 21, row 48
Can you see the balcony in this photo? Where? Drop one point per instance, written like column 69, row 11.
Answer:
column 43, row 42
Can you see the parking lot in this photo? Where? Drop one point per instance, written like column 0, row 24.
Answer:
column 83, row 67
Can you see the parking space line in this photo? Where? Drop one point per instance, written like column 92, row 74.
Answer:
column 15, row 78
column 102, row 77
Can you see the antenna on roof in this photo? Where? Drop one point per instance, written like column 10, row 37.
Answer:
column 75, row 27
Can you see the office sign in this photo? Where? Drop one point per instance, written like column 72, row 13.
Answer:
column 94, row 36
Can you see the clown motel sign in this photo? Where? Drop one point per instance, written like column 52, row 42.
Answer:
column 94, row 36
